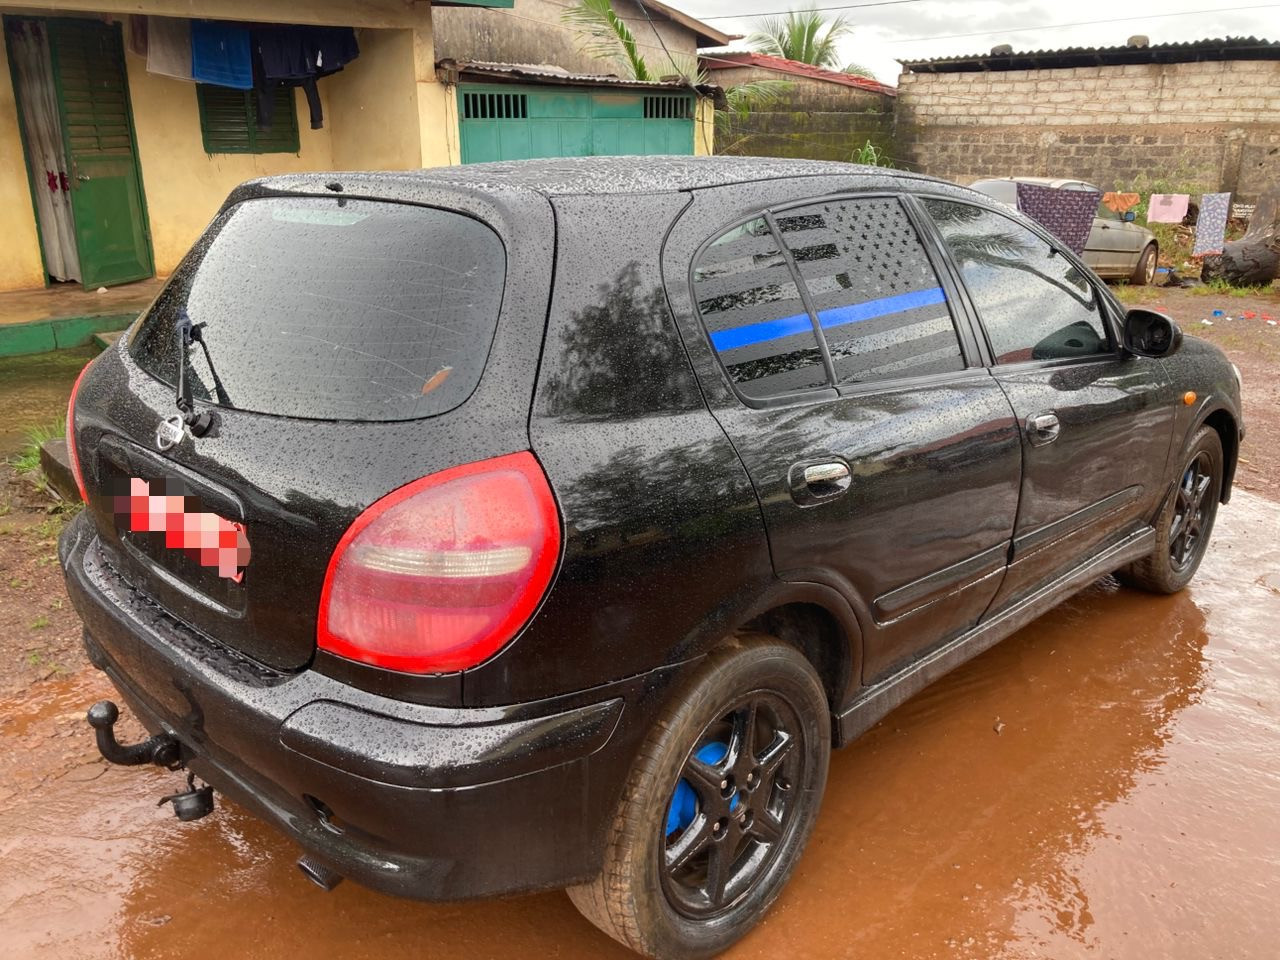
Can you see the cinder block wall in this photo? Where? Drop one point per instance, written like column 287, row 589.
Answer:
column 813, row 119
column 1207, row 126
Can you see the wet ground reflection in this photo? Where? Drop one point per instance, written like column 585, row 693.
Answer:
column 1104, row 784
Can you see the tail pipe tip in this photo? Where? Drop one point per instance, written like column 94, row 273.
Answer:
column 318, row 873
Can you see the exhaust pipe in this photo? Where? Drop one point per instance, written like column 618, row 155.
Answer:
column 318, row 873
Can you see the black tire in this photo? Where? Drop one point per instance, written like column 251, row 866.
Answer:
column 1188, row 513
column 1145, row 271
column 657, row 906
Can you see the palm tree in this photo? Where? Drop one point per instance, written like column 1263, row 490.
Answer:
column 803, row 35
column 604, row 35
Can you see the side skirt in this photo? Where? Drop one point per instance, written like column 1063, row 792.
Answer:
column 875, row 701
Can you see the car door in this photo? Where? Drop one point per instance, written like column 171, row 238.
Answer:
column 884, row 455
column 1096, row 422
column 1111, row 243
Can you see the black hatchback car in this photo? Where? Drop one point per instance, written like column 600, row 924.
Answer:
column 545, row 524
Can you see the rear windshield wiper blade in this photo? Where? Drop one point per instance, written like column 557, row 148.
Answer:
column 187, row 333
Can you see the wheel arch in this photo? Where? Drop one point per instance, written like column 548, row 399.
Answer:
column 1229, row 434
column 815, row 620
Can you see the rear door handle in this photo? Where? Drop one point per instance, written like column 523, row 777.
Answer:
column 1042, row 428
column 814, row 482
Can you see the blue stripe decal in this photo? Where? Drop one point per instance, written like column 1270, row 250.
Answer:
column 753, row 333
column 750, row 333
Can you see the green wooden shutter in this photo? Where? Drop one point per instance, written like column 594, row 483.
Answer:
column 229, row 121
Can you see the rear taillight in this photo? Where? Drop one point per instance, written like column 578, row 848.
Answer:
column 439, row 574
column 71, row 437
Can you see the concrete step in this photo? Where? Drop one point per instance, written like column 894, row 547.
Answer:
column 107, row 338
column 56, row 464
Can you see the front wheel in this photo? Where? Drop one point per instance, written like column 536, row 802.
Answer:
column 1185, row 522
column 1145, row 271
column 717, row 808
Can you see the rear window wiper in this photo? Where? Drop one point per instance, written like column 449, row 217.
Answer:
column 188, row 333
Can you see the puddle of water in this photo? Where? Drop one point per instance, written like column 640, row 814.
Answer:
column 1126, row 808
column 35, row 389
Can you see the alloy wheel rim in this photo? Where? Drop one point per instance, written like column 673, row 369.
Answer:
column 1151, row 268
column 732, row 807
column 1186, row 529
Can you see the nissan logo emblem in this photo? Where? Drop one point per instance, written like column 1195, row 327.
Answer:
column 169, row 432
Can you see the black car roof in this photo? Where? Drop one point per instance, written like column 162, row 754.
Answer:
column 580, row 175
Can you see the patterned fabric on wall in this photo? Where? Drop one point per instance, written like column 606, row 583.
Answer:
column 1167, row 207
column 1067, row 214
column 1211, row 227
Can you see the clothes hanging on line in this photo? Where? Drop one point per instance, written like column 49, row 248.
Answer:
column 1211, row 224
column 1120, row 202
column 296, row 56
column 1067, row 214
column 137, row 34
column 169, row 47
column 220, row 54
column 1167, row 207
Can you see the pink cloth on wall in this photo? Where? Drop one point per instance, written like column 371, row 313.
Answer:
column 1167, row 207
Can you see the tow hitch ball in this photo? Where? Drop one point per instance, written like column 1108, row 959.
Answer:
column 163, row 750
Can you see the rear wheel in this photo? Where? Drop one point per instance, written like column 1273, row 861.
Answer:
column 1186, row 521
column 1145, row 271
column 717, row 808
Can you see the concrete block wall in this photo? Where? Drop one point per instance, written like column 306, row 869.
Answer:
column 1207, row 126
column 813, row 119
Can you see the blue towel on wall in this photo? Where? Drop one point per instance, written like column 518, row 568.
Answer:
column 220, row 54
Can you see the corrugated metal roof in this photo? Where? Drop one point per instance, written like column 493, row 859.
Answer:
column 726, row 60
column 1226, row 48
column 451, row 70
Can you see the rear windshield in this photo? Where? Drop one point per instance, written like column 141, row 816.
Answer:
column 332, row 308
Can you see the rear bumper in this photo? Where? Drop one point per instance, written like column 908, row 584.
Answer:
column 426, row 801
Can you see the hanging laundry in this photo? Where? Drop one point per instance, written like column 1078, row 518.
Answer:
column 1120, row 202
column 169, row 47
column 1067, row 214
column 1211, row 225
column 296, row 56
column 1167, row 207
column 220, row 54
column 137, row 34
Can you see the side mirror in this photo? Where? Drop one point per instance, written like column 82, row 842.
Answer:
column 1130, row 216
column 1149, row 333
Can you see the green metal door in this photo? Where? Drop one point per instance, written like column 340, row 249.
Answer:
column 502, row 122
column 110, row 214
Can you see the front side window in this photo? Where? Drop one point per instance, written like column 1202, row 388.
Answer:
column 1034, row 302
column 879, row 304
column 757, row 323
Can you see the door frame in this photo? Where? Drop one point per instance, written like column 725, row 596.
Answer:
column 118, row 30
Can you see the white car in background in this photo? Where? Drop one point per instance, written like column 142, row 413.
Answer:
column 1117, row 248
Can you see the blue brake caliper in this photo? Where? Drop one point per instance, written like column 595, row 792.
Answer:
column 684, row 801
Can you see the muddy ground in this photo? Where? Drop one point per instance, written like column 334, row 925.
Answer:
column 1106, row 783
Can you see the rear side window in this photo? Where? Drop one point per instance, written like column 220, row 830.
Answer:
column 879, row 303
column 757, row 323
column 335, row 309
column 1035, row 303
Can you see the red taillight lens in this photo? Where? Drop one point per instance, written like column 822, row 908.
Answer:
column 71, row 436
column 439, row 574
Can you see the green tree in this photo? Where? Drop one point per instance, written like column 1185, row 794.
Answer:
column 604, row 35
column 805, row 36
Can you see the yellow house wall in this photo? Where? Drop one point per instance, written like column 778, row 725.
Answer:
column 20, row 263
column 374, row 103
column 704, row 128
column 184, row 186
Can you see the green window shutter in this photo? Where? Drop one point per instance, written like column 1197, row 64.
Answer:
column 229, row 121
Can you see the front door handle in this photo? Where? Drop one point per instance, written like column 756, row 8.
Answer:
column 814, row 482
column 1042, row 428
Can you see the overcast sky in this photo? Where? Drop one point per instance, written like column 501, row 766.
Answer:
column 884, row 33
